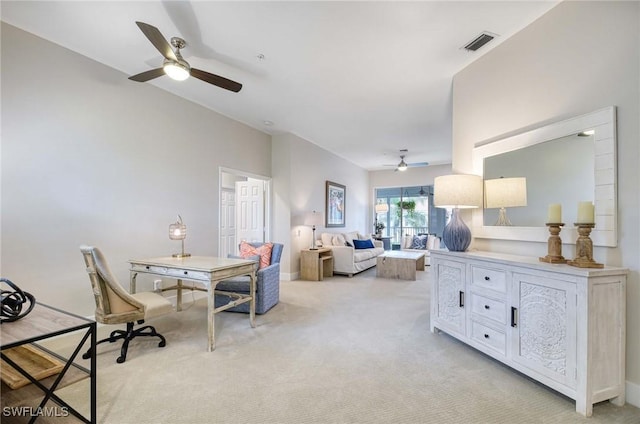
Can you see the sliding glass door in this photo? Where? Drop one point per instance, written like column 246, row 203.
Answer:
column 409, row 211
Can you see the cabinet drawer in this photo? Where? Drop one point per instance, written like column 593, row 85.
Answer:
column 489, row 337
column 492, row 309
column 492, row 279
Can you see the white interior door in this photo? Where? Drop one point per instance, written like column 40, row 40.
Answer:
column 227, row 223
column 250, row 210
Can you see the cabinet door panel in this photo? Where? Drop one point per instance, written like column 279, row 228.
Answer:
column 450, row 286
column 544, row 327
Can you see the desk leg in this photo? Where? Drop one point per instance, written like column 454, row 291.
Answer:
column 94, row 373
column 252, row 302
column 132, row 282
column 211, row 306
column 179, row 296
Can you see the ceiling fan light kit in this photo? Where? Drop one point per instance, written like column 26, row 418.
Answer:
column 174, row 66
column 176, row 70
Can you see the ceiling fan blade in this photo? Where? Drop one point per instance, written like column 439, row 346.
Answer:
column 417, row 164
column 147, row 75
column 221, row 82
column 158, row 40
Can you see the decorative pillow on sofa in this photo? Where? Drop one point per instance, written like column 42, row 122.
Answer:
column 419, row 242
column 338, row 240
column 350, row 237
column 327, row 239
column 264, row 251
column 363, row 244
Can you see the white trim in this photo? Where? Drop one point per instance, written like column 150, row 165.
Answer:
column 603, row 121
column 289, row 276
column 632, row 393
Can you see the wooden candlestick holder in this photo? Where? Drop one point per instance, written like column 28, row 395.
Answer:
column 584, row 248
column 554, row 245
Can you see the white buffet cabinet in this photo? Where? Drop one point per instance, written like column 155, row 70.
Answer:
column 560, row 325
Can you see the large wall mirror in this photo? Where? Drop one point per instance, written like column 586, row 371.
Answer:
column 563, row 162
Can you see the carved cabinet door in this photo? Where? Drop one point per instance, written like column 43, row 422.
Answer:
column 449, row 290
column 543, row 325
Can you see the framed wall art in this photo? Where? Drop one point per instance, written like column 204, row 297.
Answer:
column 335, row 209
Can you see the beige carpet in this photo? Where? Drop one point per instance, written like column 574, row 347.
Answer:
column 345, row 350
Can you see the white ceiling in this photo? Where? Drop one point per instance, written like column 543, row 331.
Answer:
column 360, row 79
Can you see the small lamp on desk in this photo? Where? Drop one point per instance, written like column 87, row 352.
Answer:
column 178, row 231
column 312, row 219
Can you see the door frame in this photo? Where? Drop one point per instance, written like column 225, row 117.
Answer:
column 267, row 197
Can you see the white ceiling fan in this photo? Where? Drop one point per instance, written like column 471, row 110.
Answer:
column 402, row 166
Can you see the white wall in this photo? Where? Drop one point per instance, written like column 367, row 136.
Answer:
column 307, row 168
column 579, row 57
column 91, row 157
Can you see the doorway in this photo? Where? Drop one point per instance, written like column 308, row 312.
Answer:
column 244, row 209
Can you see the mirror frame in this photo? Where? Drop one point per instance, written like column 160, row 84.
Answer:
column 603, row 121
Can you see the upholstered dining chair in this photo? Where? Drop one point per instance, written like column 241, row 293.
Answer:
column 114, row 305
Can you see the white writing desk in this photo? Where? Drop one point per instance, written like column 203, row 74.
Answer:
column 205, row 270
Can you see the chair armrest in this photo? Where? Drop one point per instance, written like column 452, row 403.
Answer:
column 268, row 270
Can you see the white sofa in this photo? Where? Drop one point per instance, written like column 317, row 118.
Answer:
column 347, row 259
column 429, row 241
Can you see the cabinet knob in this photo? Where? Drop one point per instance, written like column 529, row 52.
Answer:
column 487, row 278
column 186, row 273
column 486, row 336
column 487, row 307
column 147, row 267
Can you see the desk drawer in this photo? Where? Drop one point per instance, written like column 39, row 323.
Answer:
column 190, row 275
column 492, row 309
column 489, row 337
column 171, row 272
column 149, row 269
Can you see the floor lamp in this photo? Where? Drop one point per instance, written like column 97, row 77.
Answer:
column 458, row 191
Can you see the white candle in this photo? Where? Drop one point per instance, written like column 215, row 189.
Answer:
column 555, row 214
column 585, row 213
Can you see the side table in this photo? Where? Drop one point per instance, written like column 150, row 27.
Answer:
column 42, row 323
column 316, row 264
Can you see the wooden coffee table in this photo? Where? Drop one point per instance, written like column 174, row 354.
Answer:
column 400, row 264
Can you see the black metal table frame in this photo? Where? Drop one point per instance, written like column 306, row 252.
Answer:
column 49, row 392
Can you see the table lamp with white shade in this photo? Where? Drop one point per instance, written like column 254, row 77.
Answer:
column 312, row 219
column 380, row 208
column 505, row 193
column 458, row 191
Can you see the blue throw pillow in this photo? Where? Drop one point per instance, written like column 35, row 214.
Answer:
column 363, row 244
column 419, row 242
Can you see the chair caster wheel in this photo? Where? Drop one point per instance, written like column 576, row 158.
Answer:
column 162, row 344
column 120, row 359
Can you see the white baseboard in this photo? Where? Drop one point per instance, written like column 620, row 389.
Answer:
column 290, row 276
column 633, row 394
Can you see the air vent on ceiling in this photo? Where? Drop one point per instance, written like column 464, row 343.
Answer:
column 479, row 41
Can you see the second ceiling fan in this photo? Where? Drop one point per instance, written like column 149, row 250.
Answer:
column 174, row 65
column 402, row 166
